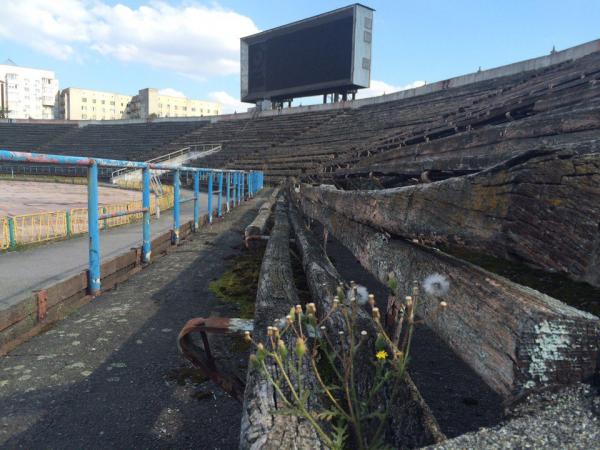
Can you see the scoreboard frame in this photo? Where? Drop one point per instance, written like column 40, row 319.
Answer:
column 328, row 70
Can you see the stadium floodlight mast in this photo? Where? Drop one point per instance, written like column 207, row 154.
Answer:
column 254, row 180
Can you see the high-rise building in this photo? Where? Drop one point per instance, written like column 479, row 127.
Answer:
column 151, row 103
column 87, row 104
column 27, row 93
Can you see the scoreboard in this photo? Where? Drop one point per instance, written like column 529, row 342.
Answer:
column 327, row 53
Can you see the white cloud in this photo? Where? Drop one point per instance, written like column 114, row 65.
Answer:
column 229, row 103
column 171, row 92
column 381, row 87
column 192, row 39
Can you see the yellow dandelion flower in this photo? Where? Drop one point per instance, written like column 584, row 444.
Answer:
column 381, row 354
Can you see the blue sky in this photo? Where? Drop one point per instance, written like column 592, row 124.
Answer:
column 192, row 46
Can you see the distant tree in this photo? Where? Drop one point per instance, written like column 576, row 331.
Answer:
column 4, row 113
column 152, row 116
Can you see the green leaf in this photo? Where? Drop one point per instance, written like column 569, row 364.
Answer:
column 287, row 412
column 327, row 415
column 340, row 434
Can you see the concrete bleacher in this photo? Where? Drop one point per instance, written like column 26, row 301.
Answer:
column 139, row 141
column 356, row 135
column 324, row 140
column 252, row 138
column 30, row 136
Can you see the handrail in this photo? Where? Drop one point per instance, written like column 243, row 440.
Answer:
column 245, row 184
column 79, row 161
column 166, row 157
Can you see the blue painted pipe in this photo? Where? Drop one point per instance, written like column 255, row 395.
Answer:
column 176, row 193
column 94, row 231
column 228, row 191
column 146, row 234
column 235, row 189
column 196, row 201
column 220, row 197
column 244, row 176
column 42, row 158
column 210, row 197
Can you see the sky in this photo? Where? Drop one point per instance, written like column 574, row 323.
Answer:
column 191, row 47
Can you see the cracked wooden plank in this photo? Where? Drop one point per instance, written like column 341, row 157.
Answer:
column 541, row 207
column 261, row 428
column 514, row 337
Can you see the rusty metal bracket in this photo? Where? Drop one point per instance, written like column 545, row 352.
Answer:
column 202, row 358
column 42, row 307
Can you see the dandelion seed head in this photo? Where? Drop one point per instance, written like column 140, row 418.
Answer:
column 281, row 322
column 360, row 292
column 436, row 285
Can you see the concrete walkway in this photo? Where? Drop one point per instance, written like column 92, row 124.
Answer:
column 24, row 271
column 110, row 376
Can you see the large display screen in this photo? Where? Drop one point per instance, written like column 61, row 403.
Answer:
column 307, row 57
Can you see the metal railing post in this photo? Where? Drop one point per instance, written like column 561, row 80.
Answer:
column 241, row 187
column 243, row 196
column 69, row 223
column 228, row 199
column 146, row 233
column 235, row 189
column 220, row 197
column 93, row 230
column 105, row 223
column 210, row 196
column 196, row 201
column 12, row 238
column 176, row 192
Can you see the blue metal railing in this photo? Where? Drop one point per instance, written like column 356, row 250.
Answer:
column 253, row 179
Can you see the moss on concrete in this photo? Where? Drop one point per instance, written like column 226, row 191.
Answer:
column 238, row 285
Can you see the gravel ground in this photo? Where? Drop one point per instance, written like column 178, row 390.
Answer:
column 567, row 419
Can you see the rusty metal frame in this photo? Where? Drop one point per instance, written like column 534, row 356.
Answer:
column 201, row 356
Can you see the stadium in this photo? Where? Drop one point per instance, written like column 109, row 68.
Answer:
column 418, row 269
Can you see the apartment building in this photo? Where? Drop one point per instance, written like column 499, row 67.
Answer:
column 27, row 93
column 151, row 103
column 88, row 104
